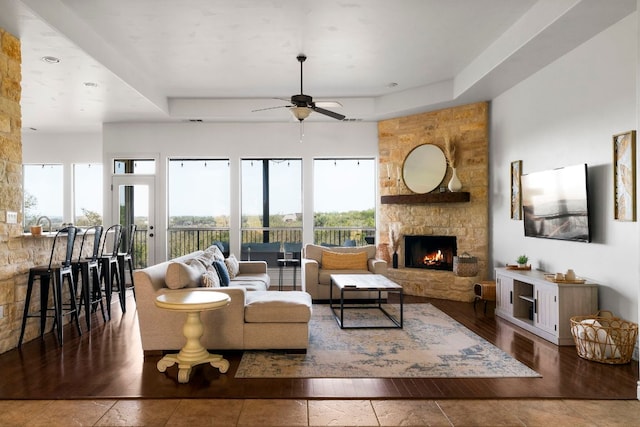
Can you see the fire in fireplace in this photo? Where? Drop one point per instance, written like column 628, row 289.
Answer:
column 430, row 252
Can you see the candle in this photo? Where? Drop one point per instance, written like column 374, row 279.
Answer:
column 398, row 173
column 388, row 172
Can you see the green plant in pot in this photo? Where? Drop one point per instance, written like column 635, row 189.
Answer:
column 522, row 260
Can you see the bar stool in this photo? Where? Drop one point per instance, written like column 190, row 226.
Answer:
column 109, row 269
column 45, row 274
column 88, row 268
column 125, row 259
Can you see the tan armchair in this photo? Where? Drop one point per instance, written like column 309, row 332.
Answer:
column 316, row 279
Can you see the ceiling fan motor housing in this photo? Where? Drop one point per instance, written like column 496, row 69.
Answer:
column 302, row 100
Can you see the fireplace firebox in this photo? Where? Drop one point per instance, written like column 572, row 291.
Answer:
column 430, row 252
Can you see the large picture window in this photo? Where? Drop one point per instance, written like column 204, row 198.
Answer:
column 271, row 208
column 199, row 204
column 87, row 194
column 43, row 194
column 344, row 201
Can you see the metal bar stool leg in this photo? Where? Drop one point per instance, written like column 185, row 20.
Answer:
column 26, row 306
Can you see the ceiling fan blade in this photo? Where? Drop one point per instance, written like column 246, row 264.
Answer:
column 328, row 104
column 328, row 113
column 272, row 108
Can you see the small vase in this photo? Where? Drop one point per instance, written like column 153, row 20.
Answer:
column 395, row 260
column 454, row 182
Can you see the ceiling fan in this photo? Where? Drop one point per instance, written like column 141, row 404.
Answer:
column 302, row 105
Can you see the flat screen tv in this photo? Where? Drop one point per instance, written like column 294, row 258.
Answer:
column 555, row 204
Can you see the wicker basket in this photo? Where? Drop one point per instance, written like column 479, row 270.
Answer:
column 465, row 265
column 604, row 338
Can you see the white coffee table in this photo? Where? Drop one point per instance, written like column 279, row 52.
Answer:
column 365, row 283
column 192, row 302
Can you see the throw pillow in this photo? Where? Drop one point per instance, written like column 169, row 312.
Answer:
column 344, row 261
column 223, row 273
column 210, row 279
column 232, row 265
column 184, row 275
column 214, row 252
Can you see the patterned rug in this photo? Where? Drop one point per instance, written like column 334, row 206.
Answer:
column 431, row 345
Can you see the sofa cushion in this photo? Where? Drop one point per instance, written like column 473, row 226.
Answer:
column 277, row 307
column 184, row 274
column 232, row 266
column 344, row 261
column 222, row 271
column 256, row 285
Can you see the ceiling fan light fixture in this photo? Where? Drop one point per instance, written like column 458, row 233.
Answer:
column 301, row 113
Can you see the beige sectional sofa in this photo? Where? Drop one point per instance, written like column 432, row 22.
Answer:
column 255, row 318
column 317, row 268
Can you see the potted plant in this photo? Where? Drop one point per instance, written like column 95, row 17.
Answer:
column 522, row 261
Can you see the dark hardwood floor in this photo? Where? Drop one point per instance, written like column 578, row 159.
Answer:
column 108, row 362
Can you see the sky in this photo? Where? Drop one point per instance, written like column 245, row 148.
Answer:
column 340, row 185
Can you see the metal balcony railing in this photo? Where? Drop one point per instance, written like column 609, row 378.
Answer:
column 181, row 241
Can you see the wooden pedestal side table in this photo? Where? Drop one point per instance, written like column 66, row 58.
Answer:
column 192, row 302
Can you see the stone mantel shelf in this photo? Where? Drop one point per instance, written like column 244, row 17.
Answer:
column 408, row 199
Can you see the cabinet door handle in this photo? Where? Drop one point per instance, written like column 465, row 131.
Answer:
column 535, row 306
column 510, row 297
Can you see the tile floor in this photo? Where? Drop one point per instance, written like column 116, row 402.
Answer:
column 274, row 412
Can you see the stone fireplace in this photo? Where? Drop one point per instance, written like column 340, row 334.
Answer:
column 430, row 252
column 439, row 213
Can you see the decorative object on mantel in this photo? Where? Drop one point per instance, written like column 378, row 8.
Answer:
column 424, row 168
column 394, row 238
column 465, row 265
column 522, row 261
column 624, row 176
column 450, row 153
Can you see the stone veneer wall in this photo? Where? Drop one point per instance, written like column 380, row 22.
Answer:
column 13, row 257
column 18, row 252
column 468, row 127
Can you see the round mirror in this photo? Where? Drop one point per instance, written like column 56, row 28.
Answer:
column 424, row 168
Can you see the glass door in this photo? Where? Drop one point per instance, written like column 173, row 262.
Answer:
column 133, row 203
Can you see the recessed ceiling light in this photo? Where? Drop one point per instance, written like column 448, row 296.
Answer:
column 91, row 84
column 50, row 59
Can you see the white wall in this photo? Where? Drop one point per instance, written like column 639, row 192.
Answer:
column 235, row 141
column 563, row 115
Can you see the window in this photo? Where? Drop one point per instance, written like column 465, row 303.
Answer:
column 271, row 208
column 344, row 201
column 199, row 204
column 43, row 194
column 87, row 194
column 134, row 166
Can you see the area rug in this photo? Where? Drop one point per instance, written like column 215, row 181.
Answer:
column 431, row 345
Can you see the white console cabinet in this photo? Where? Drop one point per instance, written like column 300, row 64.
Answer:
column 527, row 299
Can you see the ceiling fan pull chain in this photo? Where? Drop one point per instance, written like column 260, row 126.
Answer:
column 301, row 130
